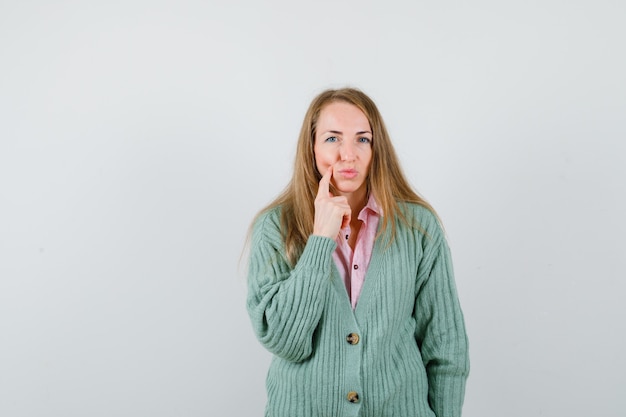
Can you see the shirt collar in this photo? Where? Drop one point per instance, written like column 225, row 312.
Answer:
column 372, row 206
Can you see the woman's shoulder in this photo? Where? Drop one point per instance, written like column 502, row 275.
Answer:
column 422, row 218
column 418, row 211
column 266, row 220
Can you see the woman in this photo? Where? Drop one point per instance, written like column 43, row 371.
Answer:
column 350, row 279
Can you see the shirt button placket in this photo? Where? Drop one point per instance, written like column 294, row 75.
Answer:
column 353, row 339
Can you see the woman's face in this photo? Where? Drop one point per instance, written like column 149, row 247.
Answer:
column 343, row 140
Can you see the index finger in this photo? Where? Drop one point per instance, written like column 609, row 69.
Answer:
column 324, row 187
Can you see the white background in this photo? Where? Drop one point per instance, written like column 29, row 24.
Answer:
column 139, row 138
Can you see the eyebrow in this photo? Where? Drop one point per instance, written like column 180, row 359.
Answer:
column 337, row 132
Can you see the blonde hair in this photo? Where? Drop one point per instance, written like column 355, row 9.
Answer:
column 386, row 179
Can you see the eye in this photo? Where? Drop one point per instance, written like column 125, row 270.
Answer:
column 331, row 139
column 363, row 139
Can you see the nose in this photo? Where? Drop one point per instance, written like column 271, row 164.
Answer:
column 347, row 151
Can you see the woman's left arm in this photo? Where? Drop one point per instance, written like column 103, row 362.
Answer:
column 440, row 333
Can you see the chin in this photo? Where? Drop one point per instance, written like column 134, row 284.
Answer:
column 348, row 188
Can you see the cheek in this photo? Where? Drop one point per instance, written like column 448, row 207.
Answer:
column 368, row 159
column 323, row 159
column 319, row 161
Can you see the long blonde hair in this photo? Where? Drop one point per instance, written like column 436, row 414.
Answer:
column 386, row 179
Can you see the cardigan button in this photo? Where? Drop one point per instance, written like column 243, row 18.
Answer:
column 353, row 397
column 353, row 338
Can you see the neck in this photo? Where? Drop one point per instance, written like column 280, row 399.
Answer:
column 357, row 200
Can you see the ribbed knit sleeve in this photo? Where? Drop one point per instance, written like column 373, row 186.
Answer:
column 440, row 330
column 284, row 303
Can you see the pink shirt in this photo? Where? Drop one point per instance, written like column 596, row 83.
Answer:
column 353, row 266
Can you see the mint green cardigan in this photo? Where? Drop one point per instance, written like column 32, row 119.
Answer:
column 402, row 352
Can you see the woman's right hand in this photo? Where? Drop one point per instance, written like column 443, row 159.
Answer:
column 331, row 212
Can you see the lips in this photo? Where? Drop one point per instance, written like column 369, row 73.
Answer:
column 348, row 173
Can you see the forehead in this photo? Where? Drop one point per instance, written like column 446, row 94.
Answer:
column 341, row 114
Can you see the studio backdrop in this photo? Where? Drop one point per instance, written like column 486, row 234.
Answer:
column 138, row 139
